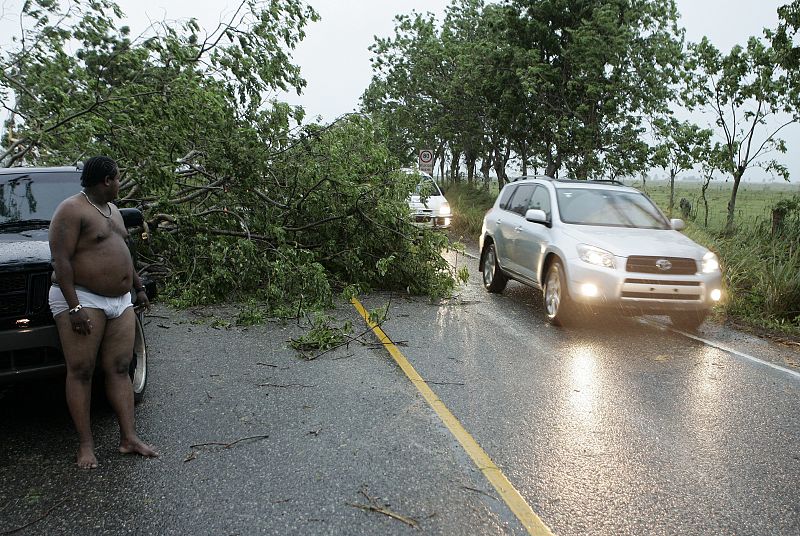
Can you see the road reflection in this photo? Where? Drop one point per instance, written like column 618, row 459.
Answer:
column 584, row 385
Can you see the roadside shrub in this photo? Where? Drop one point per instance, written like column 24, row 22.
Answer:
column 762, row 274
column 469, row 205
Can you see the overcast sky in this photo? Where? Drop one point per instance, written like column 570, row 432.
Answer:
column 334, row 57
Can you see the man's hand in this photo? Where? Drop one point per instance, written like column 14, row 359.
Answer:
column 81, row 323
column 141, row 303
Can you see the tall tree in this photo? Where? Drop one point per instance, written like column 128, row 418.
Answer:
column 681, row 145
column 747, row 96
column 594, row 69
column 407, row 88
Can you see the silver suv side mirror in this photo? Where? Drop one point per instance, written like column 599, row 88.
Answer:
column 677, row 224
column 536, row 215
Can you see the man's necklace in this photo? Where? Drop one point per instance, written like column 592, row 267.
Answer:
column 96, row 207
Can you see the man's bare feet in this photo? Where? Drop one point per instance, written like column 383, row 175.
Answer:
column 137, row 446
column 86, row 457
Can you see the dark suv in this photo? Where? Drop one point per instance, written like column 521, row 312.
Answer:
column 29, row 343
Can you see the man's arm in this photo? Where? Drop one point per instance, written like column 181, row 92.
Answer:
column 64, row 233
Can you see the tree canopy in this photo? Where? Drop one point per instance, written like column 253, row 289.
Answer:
column 564, row 85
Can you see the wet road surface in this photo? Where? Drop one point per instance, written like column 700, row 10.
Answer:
column 618, row 427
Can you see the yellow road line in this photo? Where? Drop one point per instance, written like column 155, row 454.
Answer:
column 493, row 474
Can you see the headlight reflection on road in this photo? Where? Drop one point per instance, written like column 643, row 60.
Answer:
column 584, row 387
column 708, row 384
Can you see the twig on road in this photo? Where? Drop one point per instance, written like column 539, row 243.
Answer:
column 227, row 445
column 373, row 506
column 476, row 490
column 284, row 386
column 28, row 524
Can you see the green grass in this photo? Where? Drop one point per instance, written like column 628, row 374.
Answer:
column 753, row 200
column 761, row 270
column 469, row 204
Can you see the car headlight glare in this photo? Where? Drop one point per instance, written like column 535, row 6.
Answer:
column 444, row 209
column 710, row 263
column 596, row 256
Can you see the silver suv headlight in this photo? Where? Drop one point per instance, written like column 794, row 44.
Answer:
column 710, row 263
column 596, row 256
column 444, row 209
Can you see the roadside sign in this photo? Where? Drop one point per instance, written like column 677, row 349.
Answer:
column 426, row 161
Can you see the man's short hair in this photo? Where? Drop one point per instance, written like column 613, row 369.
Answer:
column 96, row 169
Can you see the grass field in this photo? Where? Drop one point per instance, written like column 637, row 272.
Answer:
column 754, row 201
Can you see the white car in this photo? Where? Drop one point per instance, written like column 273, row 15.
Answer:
column 429, row 208
column 590, row 245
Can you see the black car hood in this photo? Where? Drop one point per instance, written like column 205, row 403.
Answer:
column 25, row 247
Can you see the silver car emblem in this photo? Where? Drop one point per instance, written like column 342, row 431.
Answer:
column 663, row 265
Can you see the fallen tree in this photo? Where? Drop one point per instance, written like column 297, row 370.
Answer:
column 241, row 202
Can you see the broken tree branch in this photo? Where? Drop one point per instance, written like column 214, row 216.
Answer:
column 375, row 507
column 227, row 445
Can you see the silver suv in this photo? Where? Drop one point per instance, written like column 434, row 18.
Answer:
column 590, row 245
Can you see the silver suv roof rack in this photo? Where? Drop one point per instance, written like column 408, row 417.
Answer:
column 615, row 182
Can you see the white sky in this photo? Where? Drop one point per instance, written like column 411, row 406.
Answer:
column 334, row 58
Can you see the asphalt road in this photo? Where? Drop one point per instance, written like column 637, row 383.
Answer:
column 618, row 427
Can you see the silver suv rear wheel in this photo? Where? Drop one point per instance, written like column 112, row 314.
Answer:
column 494, row 280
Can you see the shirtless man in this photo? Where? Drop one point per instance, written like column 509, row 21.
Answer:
column 91, row 302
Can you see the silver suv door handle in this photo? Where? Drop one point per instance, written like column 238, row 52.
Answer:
column 518, row 229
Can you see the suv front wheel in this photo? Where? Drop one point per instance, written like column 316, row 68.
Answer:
column 557, row 303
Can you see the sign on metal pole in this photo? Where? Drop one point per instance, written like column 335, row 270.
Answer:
column 426, row 161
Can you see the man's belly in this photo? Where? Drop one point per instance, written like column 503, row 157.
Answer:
column 104, row 269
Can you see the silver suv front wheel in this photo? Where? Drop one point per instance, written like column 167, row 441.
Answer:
column 557, row 303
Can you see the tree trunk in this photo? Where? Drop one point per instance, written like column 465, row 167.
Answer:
column 672, row 174
column 705, row 201
column 737, row 178
column 441, row 164
column 500, row 160
column 470, row 163
column 523, row 147
column 486, row 166
column 454, row 164
column 553, row 164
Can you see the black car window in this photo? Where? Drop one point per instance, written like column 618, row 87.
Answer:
column 540, row 200
column 35, row 196
column 519, row 202
column 505, row 195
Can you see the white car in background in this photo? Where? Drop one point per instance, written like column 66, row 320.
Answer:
column 429, row 207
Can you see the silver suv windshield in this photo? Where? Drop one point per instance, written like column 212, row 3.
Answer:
column 612, row 208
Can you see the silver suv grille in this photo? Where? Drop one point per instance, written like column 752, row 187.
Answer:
column 650, row 265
